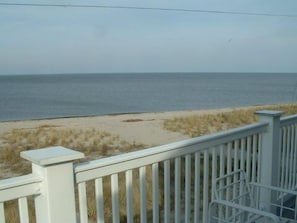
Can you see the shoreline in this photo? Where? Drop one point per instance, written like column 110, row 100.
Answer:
column 141, row 128
column 139, row 112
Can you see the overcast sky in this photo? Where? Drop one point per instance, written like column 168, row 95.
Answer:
column 37, row 40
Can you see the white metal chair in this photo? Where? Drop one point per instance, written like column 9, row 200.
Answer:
column 239, row 201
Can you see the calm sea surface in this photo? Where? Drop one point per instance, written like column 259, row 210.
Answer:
column 48, row 96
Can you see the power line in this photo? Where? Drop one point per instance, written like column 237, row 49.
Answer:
column 150, row 8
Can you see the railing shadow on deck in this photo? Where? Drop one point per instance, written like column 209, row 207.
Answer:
column 169, row 183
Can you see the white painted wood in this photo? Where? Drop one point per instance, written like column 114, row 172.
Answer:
column 58, row 183
column 155, row 176
column 205, row 185
column 19, row 181
column 235, row 166
column 236, row 148
column 213, row 170
column 108, row 166
column 229, row 157
column 222, row 160
column 167, row 191
column 242, row 164
column 115, row 198
column 291, row 158
column 283, row 156
column 197, row 188
column 143, row 198
column 221, row 173
column 254, row 162
column 129, row 196
column 54, row 166
column 288, row 134
column 248, row 158
column 177, row 187
column 83, row 207
column 242, row 154
column 295, row 157
column 270, row 147
column 292, row 173
column 188, row 189
column 17, row 187
column 23, row 210
column 99, row 200
column 287, row 159
column 51, row 155
column 229, row 170
column 259, row 154
column 2, row 213
column 270, row 153
column 289, row 120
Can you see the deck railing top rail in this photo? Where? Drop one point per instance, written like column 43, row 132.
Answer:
column 290, row 120
column 160, row 153
column 23, row 186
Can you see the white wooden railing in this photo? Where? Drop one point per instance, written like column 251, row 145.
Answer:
column 288, row 148
column 169, row 183
column 19, row 188
column 222, row 151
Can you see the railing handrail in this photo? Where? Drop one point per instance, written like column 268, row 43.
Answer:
column 289, row 120
column 87, row 171
column 17, row 187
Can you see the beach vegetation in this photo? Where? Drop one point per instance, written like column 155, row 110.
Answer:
column 202, row 124
column 93, row 143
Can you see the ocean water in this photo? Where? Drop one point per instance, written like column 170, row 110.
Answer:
column 49, row 96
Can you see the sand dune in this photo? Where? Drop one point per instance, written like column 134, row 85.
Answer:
column 144, row 128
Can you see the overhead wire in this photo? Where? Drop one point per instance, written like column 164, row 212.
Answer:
column 149, row 8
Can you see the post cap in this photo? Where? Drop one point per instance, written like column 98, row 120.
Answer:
column 270, row 113
column 51, row 155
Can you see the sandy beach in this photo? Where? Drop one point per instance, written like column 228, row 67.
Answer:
column 143, row 128
column 108, row 135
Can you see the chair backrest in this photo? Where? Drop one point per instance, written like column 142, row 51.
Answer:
column 235, row 188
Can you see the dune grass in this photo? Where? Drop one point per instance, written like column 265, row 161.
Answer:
column 95, row 144
column 197, row 125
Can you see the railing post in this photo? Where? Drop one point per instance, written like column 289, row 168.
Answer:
column 270, row 152
column 56, row 203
